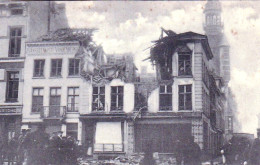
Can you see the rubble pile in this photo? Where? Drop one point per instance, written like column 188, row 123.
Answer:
column 121, row 160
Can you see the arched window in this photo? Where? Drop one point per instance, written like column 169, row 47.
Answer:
column 208, row 20
column 218, row 20
column 214, row 20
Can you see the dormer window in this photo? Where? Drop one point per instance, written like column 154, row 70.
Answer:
column 184, row 64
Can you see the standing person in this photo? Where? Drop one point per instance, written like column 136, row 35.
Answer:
column 89, row 147
column 255, row 152
column 192, row 152
column 148, row 154
column 178, row 150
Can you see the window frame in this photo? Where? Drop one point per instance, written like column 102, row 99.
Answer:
column 38, row 95
column 11, row 98
column 99, row 99
column 165, row 93
column 186, row 71
column 73, row 131
column 74, row 95
column 17, row 41
column 74, row 67
column 58, row 69
column 185, row 94
column 16, row 8
column 117, row 95
column 41, row 68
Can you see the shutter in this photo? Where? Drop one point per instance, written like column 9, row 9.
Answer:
column 2, row 74
column 22, row 75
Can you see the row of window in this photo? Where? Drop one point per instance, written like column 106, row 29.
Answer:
column 56, row 67
column 13, row 10
column 117, row 95
column 213, row 20
column 185, row 97
column 73, row 99
column 55, row 99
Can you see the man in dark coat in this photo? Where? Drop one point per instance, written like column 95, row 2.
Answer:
column 192, row 152
column 255, row 152
column 148, row 154
column 178, row 150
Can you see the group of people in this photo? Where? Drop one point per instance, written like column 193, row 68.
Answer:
column 39, row 148
column 240, row 150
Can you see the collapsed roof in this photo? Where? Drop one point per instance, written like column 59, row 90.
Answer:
column 163, row 49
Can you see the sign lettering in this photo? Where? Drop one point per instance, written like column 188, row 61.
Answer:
column 42, row 50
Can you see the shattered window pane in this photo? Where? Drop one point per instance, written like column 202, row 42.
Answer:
column 98, row 103
column 184, row 64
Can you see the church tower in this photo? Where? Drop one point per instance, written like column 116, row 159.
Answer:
column 214, row 30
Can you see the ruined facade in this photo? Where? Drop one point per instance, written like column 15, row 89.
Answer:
column 187, row 98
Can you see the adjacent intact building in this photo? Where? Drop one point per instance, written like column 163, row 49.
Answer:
column 19, row 23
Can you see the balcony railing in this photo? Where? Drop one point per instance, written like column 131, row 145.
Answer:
column 116, row 109
column 108, row 147
column 165, row 108
column 53, row 112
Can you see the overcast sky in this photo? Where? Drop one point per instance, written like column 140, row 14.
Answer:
column 126, row 26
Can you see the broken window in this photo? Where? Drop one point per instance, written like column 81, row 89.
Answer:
column 12, row 86
column 184, row 64
column 165, row 98
column 98, row 103
column 117, row 95
column 185, row 97
column 56, row 66
column 37, row 100
column 73, row 99
column 39, row 68
column 15, row 42
column 74, row 67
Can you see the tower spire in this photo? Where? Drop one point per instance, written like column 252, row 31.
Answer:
column 213, row 24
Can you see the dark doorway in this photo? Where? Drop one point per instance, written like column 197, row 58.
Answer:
column 161, row 136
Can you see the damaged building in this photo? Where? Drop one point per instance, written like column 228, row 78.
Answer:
column 67, row 83
column 75, row 88
column 186, row 100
